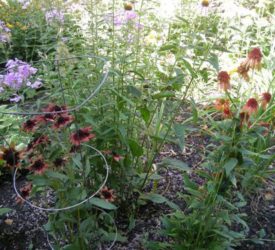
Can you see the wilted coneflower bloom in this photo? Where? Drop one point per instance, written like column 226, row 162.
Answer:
column 205, row 3
column 24, row 192
column 117, row 157
column 11, row 156
column 267, row 127
column 251, row 106
column 224, row 80
column 38, row 166
column 253, row 60
column 81, row 135
column 40, row 140
column 107, row 194
column 114, row 155
column 224, row 106
column 30, row 125
column 266, row 97
column 243, row 72
column 59, row 162
column 75, row 149
column 62, row 121
column 220, row 104
column 227, row 112
column 244, row 118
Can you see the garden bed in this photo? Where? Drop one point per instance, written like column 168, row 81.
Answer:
column 26, row 228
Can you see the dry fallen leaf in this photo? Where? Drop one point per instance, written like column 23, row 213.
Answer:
column 269, row 196
column 9, row 221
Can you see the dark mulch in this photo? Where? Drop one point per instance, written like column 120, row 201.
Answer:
column 21, row 228
column 261, row 216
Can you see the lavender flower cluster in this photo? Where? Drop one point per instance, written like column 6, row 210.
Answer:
column 18, row 74
column 4, row 33
column 124, row 17
column 25, row 3
column 54, row 15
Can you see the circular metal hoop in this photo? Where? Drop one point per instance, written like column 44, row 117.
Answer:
column 72, row 206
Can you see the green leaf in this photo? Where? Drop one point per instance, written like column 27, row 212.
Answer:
column 214, row 61
column 134, row 91
column 151, row 177
column 163, row 94
column 102, row 203
column 177, row 164
column 172, row 205
column 189, row 68
column 156, row 198
column 145, row 114
column 194, row 111
column 56, row 175
column 230, row 165
column 179, row 131
column 77, row 160
column 136, row 149
column 40, row 181
column 168, row 47
column 112, row 236
column 4, row 210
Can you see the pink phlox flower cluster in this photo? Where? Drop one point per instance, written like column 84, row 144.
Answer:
column 25, row 3
column 4, row 33
column 124, row 17
column 18, row 74
column 54, row 15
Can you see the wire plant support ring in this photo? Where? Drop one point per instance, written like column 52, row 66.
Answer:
column 72, row 206
column 61, row 77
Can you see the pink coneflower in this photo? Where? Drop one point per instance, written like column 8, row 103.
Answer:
column 51, row 117
column 251, row 106
column 40, row 140
column 45, row 118
column 224, row 80
column 107, row 194
column 55, row 108
column 38, row 166
column 11, row 156
column 62, row 121
column 30, row 125
column 81, row 135
column 24, row 192
column 243, row 72
column 253, row 60
column 266, row 97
